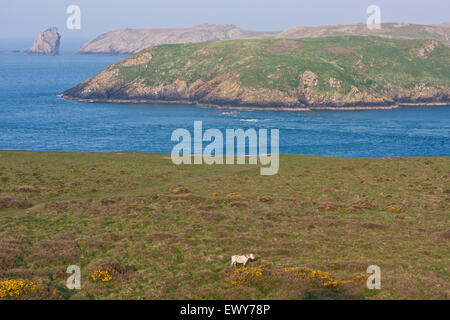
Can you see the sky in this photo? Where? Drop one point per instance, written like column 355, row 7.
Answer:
column 24, row 19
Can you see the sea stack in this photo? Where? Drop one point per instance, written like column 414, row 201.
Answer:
column 47, row 43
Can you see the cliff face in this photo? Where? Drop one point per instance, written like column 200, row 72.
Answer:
column 126, row 41
column 327, row 73
column 47, row 43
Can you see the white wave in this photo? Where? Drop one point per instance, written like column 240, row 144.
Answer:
column 231, row 112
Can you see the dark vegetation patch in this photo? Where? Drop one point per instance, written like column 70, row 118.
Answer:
column 12, row 201
column 283, row 45
column 340, row 51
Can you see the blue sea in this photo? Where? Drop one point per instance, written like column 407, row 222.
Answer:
column 34, row 117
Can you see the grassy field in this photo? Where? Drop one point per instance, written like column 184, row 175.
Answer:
column 147, row 229
column 364, row 62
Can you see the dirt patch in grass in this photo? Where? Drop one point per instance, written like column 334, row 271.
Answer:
column 445, row 235
column 12, row 201
column 28, row 189
column 373, row 226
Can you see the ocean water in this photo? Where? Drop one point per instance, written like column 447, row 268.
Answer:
column 34, row 117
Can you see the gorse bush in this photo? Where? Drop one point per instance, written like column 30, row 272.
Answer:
column 322, row 278
column 101, row 276
column 17, row 288
column 245, row 274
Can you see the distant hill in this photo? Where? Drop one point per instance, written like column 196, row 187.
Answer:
column 389, row 30
column 353, row 72
column 128, row 41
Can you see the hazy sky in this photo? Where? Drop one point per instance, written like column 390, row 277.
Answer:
column 26, row 18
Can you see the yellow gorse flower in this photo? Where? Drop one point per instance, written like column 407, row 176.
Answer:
column 244, row 274
column 265, row 199
column 324, row 278
column 101, row 276
column 318, row 277
column 16, row 288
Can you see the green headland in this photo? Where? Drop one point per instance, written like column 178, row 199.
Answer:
column 342, row 72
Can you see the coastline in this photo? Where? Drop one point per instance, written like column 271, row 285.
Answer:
column 262, row 108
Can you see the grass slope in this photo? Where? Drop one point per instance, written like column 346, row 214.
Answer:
column 162, row 233
column 368, row 62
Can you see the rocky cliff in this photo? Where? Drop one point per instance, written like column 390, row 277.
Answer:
column 346, row 72
column 47, row 43
column 126, row 41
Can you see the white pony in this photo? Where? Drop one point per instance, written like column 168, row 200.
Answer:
column 241, row 259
